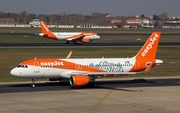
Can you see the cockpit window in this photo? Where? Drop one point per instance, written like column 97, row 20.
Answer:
column 22, row 66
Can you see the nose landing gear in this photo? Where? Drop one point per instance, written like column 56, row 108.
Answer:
column 33, row 83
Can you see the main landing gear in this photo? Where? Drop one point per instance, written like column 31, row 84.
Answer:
column 33, row 83
column 91, row 41
column 67, row 42
column 74, row 41
column 93, row 82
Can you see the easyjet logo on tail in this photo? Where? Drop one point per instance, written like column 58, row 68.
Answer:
column 44, row 26
column 150, row 45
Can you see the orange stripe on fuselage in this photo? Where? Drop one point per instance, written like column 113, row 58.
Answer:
column 60, row 64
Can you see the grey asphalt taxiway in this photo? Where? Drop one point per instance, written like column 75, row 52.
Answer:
column 115, row 95
column 102, row 43
column 107, row 44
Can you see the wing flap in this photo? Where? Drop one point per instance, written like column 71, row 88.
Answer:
column 102, row 73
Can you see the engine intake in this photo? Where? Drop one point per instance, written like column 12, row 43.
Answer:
column 85, row 40
column 79, row 80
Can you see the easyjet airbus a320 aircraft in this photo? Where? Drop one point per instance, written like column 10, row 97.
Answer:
column 80, row 72
column 84, row 37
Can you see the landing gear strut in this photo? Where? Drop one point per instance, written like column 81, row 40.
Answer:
column 75, row 42
column 33, row 83
column 93, row 82
column 67, row 42
column 91, row 41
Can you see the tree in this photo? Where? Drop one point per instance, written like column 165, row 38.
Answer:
column 164, row 16
column 155, row 17
column 142, row 16
column 24, row 17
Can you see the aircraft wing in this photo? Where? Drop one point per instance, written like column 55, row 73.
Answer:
column 102, row 73
column 75, row 37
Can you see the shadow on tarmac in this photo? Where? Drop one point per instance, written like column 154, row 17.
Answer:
column 112, row 84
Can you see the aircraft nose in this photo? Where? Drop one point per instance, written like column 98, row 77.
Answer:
column 97, row 37
column 15, row 72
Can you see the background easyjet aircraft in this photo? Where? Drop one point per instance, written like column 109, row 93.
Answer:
column 80, row 72
column 84, row 37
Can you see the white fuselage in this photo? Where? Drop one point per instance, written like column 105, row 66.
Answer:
column 69, row 35
column 51, row 70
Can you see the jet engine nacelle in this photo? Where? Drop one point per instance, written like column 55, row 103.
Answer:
column 85, row 40
column 79, row 80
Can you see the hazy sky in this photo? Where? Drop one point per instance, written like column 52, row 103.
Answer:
column 115, row 7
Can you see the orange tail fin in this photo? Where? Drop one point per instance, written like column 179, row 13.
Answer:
column 149, row 49
column 44, row 27
column 46, row 31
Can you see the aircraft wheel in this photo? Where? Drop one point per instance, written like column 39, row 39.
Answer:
column 33, row 85
column 95, row 85
column 67, row 42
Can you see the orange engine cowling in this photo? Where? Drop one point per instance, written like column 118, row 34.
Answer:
column 85, row 40
column 80, row 80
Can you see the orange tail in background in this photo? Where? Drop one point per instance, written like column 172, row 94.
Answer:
column 46, row 31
